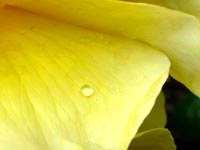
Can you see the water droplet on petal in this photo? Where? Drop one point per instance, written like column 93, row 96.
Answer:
column 87, row 90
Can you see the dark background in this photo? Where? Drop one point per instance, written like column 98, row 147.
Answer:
column 183, row 115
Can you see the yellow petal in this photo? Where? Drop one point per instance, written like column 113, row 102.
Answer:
column 157, row 117
column 65, row 87
column 174, row 33
column 165, row 3
column 188, row 6
column 192, row 7
column 156, row 139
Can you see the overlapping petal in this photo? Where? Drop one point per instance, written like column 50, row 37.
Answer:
column 157, row 118
column 188, row 6
column 174, row 33
column 156, row 139
column 65, row 87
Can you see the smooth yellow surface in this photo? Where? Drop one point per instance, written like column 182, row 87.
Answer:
column 44, row 66
column 174, row 33
column 156, row 139
column 188, row 6
column 192, row 7
column 164, row 3
column 157, row 118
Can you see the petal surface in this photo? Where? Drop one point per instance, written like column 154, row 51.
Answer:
column 157, row 118
column 156, row 139
column 192, row 7
column 189, row 6
column 65, row 87
column 174, row 33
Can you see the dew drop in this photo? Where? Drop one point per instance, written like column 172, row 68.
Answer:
column 87, row 90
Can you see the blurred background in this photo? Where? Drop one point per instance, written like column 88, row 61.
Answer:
column 183, row 115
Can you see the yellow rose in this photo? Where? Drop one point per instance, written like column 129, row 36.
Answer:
column 84, row 74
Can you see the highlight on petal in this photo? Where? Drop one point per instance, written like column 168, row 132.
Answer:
column 157, row 118
column 174, row 33
column 156, row 139
column 47, row 69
